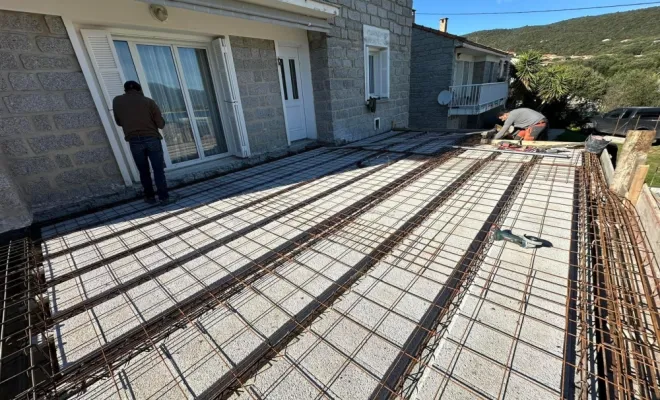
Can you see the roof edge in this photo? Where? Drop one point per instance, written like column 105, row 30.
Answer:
column 461, row 39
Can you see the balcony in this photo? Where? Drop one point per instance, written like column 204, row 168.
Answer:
column 477, row 99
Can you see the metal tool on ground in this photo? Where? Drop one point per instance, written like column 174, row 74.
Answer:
column 524, row 241
column 536, row 153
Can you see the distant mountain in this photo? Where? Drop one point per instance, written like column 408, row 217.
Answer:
column 631, row 32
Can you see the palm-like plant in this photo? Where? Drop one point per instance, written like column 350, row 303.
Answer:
column 527, row 69
column 552, row 84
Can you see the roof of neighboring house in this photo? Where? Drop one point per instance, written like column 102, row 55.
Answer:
column 460, row 39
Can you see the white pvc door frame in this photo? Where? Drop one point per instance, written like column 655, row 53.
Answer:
column 174, row 46
column 299, row 88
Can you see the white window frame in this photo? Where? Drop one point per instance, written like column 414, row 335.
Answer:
column 174, row 45
column 377, row 44
column 463, row 69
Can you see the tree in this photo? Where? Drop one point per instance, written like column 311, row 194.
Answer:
column 585, row 84
column 534, row 84
column 632, row 88
column 553, row 84
column 567, row 93
column 527, row 69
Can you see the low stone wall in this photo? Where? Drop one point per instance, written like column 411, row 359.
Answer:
column 50, row 133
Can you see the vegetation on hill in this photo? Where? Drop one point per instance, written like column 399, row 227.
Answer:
column 630, row 32
column 623, row 67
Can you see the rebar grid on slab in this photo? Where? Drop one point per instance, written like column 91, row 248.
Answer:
column 26, row 352
column 367, row 250
column 195, row 304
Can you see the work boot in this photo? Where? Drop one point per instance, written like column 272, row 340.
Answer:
column 169, row 200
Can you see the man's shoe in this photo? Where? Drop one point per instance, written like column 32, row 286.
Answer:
column 170, row 200
column 150, row 200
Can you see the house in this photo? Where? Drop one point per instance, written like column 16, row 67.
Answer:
column 454, row 82
column 237, row 81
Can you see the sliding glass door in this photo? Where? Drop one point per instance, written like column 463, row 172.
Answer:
column 178, row 79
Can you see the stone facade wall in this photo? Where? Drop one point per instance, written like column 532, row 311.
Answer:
column 431, row 70
column 50, row 132
column 259, row 87
column 338, row 75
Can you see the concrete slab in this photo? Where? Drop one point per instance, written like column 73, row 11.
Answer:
column 509, row 323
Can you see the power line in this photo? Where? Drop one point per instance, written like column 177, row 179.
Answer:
column 542, row 11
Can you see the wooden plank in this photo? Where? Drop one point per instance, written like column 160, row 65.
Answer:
column 634, row 153
column 608, row 168
column 637, row 183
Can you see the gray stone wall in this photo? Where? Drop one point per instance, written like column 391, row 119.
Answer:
column 259, row 87
column 338, row 75
column 50, row 132
column 430, row 73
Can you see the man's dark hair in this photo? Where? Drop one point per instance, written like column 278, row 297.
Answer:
column 503, row 112
column 132, row 85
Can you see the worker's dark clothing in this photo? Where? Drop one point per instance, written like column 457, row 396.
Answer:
column 138, row 115
column 531, row 123
column 140, row 118
column 149, row 150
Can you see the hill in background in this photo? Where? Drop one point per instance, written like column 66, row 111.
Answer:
column 632, row 32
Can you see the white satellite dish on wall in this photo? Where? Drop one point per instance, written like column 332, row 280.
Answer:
column 445, row 97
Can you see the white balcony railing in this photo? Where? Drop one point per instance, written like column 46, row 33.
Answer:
column 477, row 99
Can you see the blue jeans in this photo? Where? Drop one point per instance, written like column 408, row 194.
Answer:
column 147, row 150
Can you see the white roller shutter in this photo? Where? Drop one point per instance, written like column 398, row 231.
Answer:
column 104, row 58
column 231, row 98
column 106, row 64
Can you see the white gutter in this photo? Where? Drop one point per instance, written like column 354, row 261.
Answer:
column 313, row 8
column 254, row 12
column 482, row 50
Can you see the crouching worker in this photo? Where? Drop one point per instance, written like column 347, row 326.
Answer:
column 532, row 124
column 141, row 119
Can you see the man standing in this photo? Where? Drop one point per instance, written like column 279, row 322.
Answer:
column 140, row 118
column 531, row 123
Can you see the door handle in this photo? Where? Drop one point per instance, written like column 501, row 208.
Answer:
column 231, row 102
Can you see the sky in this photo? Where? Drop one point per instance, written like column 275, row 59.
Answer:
column 461, row 25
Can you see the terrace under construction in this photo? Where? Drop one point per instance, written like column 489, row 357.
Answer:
column 355, row 272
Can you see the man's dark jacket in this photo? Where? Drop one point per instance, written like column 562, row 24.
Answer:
column 138, row 115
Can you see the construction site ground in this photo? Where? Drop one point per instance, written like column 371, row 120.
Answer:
column 363, row 271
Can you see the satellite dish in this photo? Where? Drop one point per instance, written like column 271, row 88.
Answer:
column 445, row 97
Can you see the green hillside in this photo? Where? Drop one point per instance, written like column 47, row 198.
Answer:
column 631, row 32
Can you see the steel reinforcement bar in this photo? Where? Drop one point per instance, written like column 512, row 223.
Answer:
column 175, row 263
column 624, row 292
column 259, row 357
column 106, row 358
column 146, row 207
column 440, row 309
column 201, row 190
column 177, row 212
column 188, row 228
column 572, row 292
column 26, row 353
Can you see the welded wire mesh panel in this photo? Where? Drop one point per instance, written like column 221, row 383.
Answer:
column 344, row 273
column 25, row 344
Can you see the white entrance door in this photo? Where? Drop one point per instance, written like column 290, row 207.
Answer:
column 289, row 65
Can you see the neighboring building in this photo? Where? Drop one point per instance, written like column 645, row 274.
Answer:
column 474, row 78
column 236, row 81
